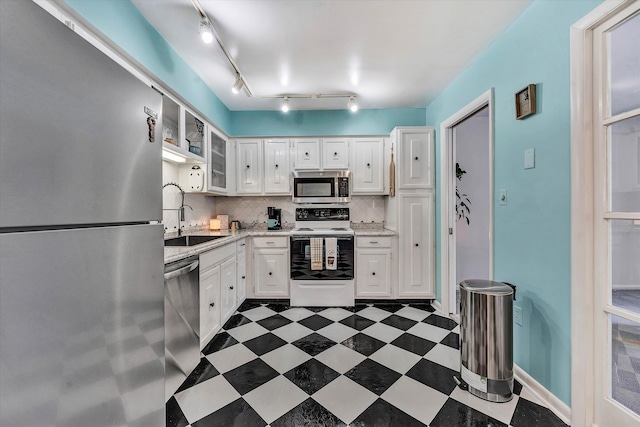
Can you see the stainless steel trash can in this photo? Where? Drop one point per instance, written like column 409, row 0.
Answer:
column 486, row 338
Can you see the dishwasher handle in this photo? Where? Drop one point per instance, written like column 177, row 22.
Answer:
column 180, row 271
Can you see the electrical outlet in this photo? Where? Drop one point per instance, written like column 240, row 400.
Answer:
column 517, row 315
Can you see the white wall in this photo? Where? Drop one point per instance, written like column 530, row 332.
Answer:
column 472, row 241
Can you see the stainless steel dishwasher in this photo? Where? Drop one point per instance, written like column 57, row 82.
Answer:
column 181, row 321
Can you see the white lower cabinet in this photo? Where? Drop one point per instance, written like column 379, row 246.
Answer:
column 228, row 288
column 209, row 304
column 217, row 301
column 416, row 232
column 373, row 267
column 241, row 272
column 271, row 267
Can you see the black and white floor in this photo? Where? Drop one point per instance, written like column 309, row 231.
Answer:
column 372, row 365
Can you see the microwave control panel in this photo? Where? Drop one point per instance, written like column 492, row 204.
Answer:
column 343, row 187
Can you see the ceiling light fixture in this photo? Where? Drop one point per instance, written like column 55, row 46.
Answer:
column 237, row 86
column 351, row 105
column 285, row 105
column 206, row 30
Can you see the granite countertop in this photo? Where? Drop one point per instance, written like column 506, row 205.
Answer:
column 175, row 253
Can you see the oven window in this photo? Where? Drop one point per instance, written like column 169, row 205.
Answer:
column 307, row 187
column 301, row 261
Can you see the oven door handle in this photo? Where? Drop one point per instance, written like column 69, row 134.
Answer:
column 298, row 238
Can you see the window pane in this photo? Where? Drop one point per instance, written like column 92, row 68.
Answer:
column 625, row 66
column 625, row 358
column 625, row 264
column 625, row 165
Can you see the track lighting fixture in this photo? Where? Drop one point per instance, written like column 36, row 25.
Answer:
column 237, row 86
column 206, row 30
column 285, row 105
column 351, row 105
column 208, row 34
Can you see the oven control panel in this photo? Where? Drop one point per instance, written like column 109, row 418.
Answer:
column 322, row 214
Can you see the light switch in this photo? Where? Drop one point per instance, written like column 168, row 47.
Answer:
column 502, row 196
column 529, row 158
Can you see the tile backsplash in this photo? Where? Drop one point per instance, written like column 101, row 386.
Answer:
column 253, row 210
column 249, row 210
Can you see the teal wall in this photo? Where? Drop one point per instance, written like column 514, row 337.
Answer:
column 324, row 122
column 532, row 232
column 123, row 23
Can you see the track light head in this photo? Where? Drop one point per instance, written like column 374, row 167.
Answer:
column 285, row 105
column 351, row 105
column 206, row 30
column 237, row 86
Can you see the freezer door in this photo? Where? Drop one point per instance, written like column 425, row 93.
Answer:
column 74, row 139
column 82, row 327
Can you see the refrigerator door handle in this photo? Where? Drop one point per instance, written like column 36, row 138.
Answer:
column 173, row 274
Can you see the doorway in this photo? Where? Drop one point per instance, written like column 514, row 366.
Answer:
column 467, row 208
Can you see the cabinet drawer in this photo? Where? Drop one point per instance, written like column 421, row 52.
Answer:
column 215, row 256
column 270, row 242
column 373, row 242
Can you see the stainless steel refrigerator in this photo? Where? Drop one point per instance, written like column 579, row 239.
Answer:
column 81, row 250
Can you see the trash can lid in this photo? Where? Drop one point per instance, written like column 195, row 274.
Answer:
column 486, row 287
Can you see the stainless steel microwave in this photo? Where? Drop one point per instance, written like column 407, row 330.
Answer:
column 321, row 187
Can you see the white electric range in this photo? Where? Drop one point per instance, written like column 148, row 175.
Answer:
column 322, row 258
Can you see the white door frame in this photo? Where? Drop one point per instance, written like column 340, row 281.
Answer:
column 447, row 204
column 582, row 215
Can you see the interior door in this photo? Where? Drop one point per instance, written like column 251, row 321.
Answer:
column 617, row 218
column 470, row 244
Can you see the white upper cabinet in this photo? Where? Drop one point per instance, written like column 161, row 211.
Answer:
column 306, row 153
column 415, row 156
column 335, row 153
column 249, row 166
column 217, row 162
column 277, row 171
column 182, row 132
column 367, row 166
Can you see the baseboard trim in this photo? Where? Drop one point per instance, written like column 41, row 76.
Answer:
column 436, row 304
column 556, row 405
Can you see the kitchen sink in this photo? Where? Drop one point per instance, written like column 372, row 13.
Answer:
column 190, row 240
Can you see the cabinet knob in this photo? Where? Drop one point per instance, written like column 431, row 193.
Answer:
column 306, row 153
column 270, row 273
column 230, row 287
column 417, row 245
column 416, row 157
column 373, row 274
column 243, row 277
column 276, row 166
column 368, row 165
column 213, row 304
column 335, row 153
column 248, row 166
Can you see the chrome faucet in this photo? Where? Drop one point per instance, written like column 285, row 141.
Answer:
column 181, row 216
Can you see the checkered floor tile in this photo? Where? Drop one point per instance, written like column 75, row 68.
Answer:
column 379, row 365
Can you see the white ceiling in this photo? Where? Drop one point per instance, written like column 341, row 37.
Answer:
column 391, row 53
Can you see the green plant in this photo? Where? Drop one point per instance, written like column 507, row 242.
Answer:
column 462, row 200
